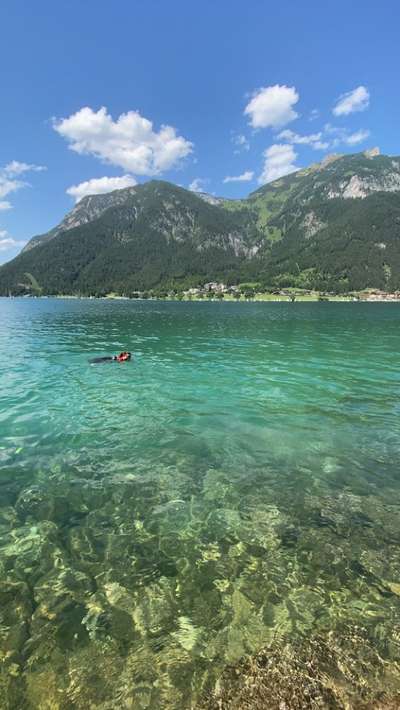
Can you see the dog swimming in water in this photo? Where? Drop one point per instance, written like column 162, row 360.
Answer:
column 122, row 357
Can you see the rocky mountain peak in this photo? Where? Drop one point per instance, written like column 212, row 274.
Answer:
column 372, row 152
column 86, row 210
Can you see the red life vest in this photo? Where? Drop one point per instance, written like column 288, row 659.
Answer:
column 122, row 357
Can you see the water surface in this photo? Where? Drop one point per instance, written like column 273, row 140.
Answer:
column 235, row 486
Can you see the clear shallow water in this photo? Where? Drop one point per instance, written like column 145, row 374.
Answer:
column 236, row 486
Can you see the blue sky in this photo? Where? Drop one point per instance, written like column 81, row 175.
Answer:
column 97, row 95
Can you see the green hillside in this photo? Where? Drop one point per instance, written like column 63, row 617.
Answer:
column 334, row 226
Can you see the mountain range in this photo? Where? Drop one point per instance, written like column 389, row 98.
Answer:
column 334, row 226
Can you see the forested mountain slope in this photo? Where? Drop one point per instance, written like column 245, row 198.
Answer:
column 333, row 226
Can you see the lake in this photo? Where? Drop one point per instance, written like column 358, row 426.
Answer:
column 235, row 487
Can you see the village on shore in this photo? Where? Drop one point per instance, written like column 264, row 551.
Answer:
column 214, row 291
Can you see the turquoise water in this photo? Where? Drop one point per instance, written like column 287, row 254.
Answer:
column 236, row 485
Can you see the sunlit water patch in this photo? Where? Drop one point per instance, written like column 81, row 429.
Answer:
column 234, row 488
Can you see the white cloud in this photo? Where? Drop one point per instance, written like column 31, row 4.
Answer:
column 357, row 137
column 8, row 186
column 244, row 177
column 272, row 106
column 279, row 161
column 7, row 242
column 198, row 185
column 241, row 142
column 9, row 181
column 99, row 186
column 17, row 168
column 313, row 140
column 129, row 142
column 329, row 137
column 356, row 100
column 341, row 136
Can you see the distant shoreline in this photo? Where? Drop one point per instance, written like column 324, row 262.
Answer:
column 254, row 299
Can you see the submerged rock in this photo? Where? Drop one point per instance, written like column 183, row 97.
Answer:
column 35, row 503
column 135, row 591
column 335, row 671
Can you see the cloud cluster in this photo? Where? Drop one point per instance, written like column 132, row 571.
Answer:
column 356, row 137
column 272, row 106
column 10, row 182
column 356, row 100
column 17, row 168
column 314, row 139
column 10, row 179
column 7, row 186
column 330, row 137
column 342, row 136
column 130, row 142
column 99, row 186
column 244, row 177
column 279, row 160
